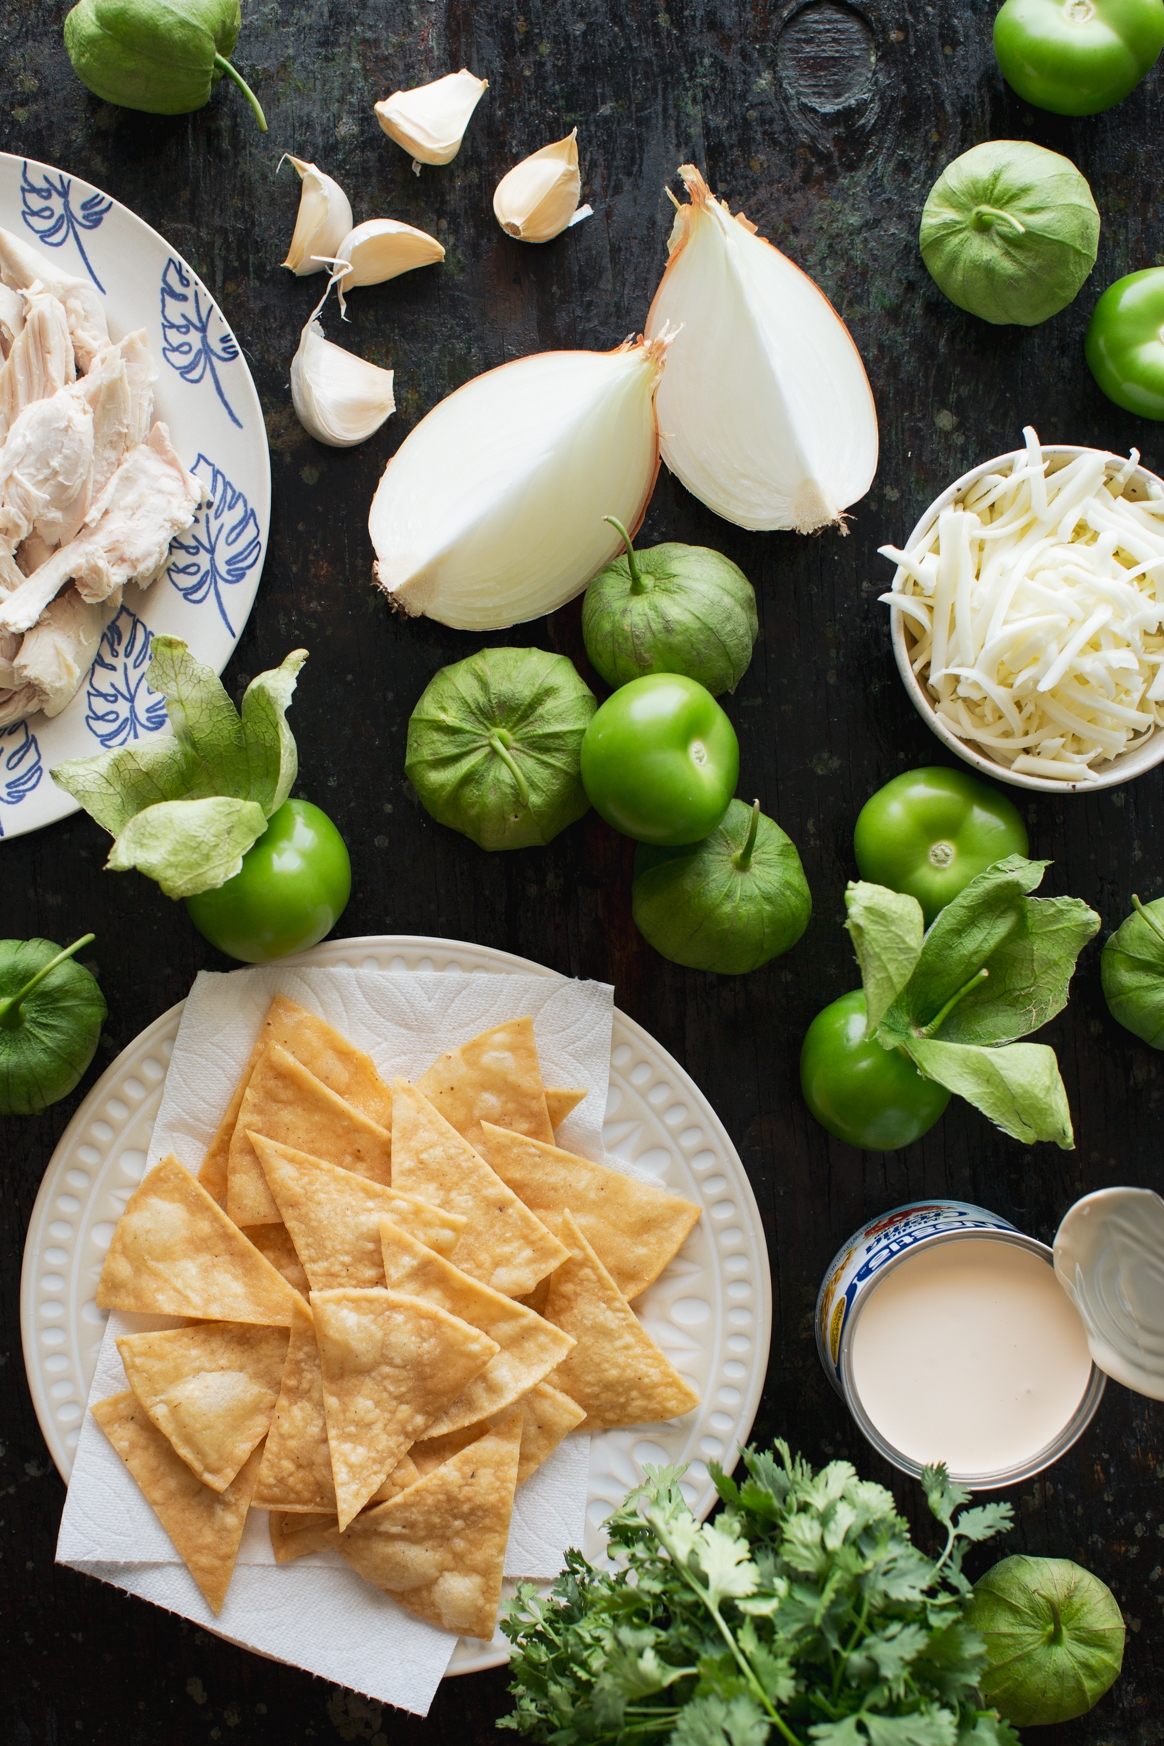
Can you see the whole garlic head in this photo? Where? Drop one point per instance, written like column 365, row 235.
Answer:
column 339, row 399
column 539, row 197
column 323, row 220
column 430, row 120
column 380, row 249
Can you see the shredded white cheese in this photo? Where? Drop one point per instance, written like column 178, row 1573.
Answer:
column 1033, row 611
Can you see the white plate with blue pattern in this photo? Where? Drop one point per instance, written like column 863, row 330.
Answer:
column 205, row 394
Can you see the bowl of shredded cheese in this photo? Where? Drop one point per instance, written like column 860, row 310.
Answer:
column 1028, row 617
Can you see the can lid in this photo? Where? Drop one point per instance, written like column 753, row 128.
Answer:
column 1109, row 1259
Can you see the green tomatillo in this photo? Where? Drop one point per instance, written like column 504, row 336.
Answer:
column 51, row 1013
column 660, row 760
column 727, row 904
column 1054, row 1639
column 1124, row 344
column 163, row 56
column 929, row 832
column 867, row 1095
column 1131, row 969
column 670, row 609
column 1077, row 57
column 290, row 891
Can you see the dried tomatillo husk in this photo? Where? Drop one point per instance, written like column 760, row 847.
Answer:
column 494, row 744
column 670, row 609
column 51, row 1013
column 1054, row 1639
column 728, row 903
column 161, row 56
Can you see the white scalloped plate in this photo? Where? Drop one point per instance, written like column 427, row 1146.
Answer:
column 205, row 394
column 711, row 1310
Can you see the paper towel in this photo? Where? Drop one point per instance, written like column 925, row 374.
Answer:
column 316, row 1613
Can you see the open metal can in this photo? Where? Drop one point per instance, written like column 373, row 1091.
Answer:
column 857, row 1268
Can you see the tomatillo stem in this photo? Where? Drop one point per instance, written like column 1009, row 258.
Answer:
column 1056, row 1635
column 984, row 215
column 501, row 740
column 978, row 976
column 10, row 1008
column 743, row 860
column 1142, row 912
column 637, row 585
column 224, row 66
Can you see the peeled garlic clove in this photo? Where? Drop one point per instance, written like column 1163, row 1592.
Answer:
column 339, row 399
column 380, row 249
column 491, row 511
column 765, row 410
column 323, row 220
column 539, row 197
column 430, row 120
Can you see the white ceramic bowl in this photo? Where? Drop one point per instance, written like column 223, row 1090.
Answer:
column 1120, row 769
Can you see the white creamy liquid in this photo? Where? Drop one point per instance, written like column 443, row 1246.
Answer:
column 971, row 1353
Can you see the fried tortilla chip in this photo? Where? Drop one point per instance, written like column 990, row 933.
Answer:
column 205, row 1526
column 404, row 1474
column 550, row 1416
column 334, row 1217
column 295, row 1475
column 431, row 1451
column 616, row 1373
column 211, row 1389
column 493, row 1078
column 633, row 1227
column 175, row 1253
column 504, row 1245
column 439, row 1548
column 560, row 1103
column 290, row 1105
column 296, row 1536
column 324, row 1052
column 274, row 1241
column 530, row 1347
column 390, row 1364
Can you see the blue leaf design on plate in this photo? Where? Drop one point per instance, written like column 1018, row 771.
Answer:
column 120, row 704
column 20, row 765
column 187, row 344
column 47, row 209
column 221, row 547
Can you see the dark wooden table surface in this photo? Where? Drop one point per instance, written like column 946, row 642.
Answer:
column 828, row 126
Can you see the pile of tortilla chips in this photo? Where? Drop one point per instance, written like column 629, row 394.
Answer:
column 400, row 1299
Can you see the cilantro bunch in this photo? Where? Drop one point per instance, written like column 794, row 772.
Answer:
column 803, row 1614
column 995, row 965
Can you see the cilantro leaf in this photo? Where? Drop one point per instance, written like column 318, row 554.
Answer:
column 886, row 928
column 1017, row 1086
column 709, row 1721
column 943, row 1494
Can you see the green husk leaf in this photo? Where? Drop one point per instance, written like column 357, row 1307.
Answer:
column 272, row 757
column 189, row 846
column 113, row 786
column 1030, row 974
column 1017, row 1086
column 886, row 928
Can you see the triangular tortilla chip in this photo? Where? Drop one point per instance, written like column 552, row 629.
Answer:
column 559, row 1103
column 211, row 1389
column 439, row 1548
column 493, row 1078
column 274, row 1241
column 288, row 1104
column 530, row 1347
column 205, row 1526
column 503, row 1244
column 550, row 1415
column 431, row 1451
column 633, row 1227
column 334, row 1216
column 404, row 1474
column 390, row 1364
column 616, row 1373
column 296, row 1470
column 324, row 1052
column 175, row 1253
column 297, row 1536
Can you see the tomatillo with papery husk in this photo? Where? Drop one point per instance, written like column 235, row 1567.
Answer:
column 51, row 1013
column 670, row 609
column 727, row 904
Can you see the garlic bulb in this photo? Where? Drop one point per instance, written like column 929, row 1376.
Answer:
column 765, row 411
column 380, row 249
column 323, row 220
column 430, row 120
column 339, row 399
column 491, row 511
column 538, row 198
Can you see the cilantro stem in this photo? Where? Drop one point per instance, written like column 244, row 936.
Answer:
column 858, row 1633
column 1145, row 915
column 928, row 1030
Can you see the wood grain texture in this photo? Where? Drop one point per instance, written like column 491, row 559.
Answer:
column 828, row 125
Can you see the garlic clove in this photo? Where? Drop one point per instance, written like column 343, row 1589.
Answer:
column 430, row 120
column 538, row 199
column 380, row 249
column 323, row 220
column 339, row 399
